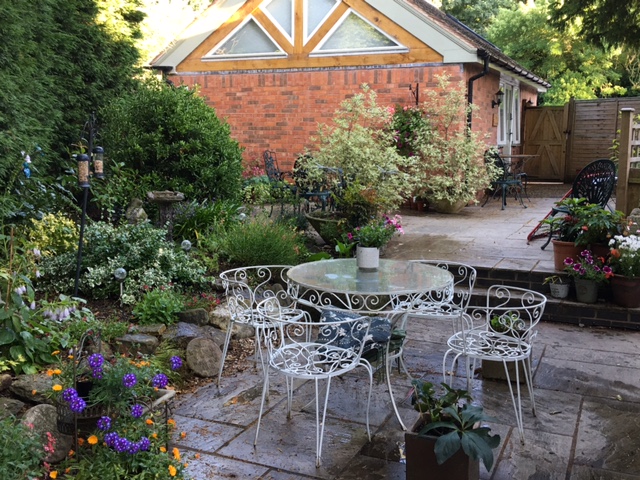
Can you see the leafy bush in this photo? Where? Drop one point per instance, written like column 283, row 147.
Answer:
column 160, row 305
column 262, row 242
column 53, row 234
column 141, row 250
column 196, row 219
column 21, row 451
column 174, row 134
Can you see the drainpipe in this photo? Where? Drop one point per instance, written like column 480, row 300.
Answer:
column 485, row 56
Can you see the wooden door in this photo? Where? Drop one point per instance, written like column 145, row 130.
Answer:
column 544, row 135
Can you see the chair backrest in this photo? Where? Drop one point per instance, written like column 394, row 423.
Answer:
column 464, row 279
column 247, row 286
column 595, row 182
column 271, row 166
column 299, row 346
column 493, row 157
column 511, row 311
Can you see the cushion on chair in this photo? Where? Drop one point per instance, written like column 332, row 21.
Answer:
column 379, row 329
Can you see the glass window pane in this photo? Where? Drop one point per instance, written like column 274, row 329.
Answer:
column 317, row 10
column 281, row 11
column 516, row 115
column 250, row 39
column 355, row 33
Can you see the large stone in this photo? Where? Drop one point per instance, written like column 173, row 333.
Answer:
column 10, row 407
column 32, row 388
column 196, row 316
column 182, row 333
column 132, row 344
column 42, row 418
column 204, row 357
column 220, row 317
column 5, row 382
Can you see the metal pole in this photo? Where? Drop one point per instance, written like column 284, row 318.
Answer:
column 85, row 196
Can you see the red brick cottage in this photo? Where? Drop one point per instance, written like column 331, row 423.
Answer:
column 274, row 69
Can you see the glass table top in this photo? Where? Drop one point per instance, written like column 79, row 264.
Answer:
column 393, row 277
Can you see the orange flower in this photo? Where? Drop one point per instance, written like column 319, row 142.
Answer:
column 55, row 352
column 53, row 474
column 176, row 453
column 49, row 373
column 70, row 356
column 183, row 434
column 34, row 391
column 197, row 456
column 71, row 453
column 92, row 440
column 163, row 449
column 172, row 470
column 57, row 371
column 154, row 435
column 148, row 421
column 615, row 252
column 56, row 388
column 171, row 422
column 80, row 441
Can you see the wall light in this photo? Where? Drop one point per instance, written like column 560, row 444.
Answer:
column 497, row 99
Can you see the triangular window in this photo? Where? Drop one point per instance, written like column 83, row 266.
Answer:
column 353, row 34
column 247, row 40
column 316, row 13
column 281, row 14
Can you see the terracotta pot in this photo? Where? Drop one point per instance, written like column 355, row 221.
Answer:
column 626, row 291
column 600, row 250
column 422, row 463
column 445, row 206
column 328, row 226
column 562, row 250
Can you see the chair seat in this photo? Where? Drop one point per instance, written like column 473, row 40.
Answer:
column 314, row 360
column 487, row 345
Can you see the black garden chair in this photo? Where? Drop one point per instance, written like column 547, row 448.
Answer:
column 506, row 182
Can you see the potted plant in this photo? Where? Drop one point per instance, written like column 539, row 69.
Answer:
column 359, row 144
column 558, row 285
column 370, row 238
column 452, row 156
column 587, row 272
column 566, row 227
column 448, row 440
column 624, row 260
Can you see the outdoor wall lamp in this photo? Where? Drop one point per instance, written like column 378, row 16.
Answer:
column 497, row 100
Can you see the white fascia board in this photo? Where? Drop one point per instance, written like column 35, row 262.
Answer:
column 452, row 48
column 208, row 22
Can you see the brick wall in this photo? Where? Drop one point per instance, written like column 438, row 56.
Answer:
column 281, row 110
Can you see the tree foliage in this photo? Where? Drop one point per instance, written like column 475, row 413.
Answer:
column 476, row 14
column 602, row 22
column 170, row 133
column 573, row 66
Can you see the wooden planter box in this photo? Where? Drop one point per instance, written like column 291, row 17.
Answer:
column 422, row 463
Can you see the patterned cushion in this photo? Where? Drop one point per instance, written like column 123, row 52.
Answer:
column 379, row 329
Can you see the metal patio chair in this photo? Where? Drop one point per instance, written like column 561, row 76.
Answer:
column 503, row 331
column 300, row 348
column 506, row 182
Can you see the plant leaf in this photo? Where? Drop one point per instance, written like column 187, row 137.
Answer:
column 446, row 446
column 479, row 444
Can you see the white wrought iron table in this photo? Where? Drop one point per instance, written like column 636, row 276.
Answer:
column 395, row 289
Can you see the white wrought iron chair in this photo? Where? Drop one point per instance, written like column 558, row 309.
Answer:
column 299, row 347
column 503, row 331
column 246, row 287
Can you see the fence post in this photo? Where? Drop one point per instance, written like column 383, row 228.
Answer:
column 624, row 160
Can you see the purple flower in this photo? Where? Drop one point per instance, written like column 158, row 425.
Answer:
column 137, row 410
column 96, row 360
column 69, row 394
column 97, row 373
column 121, row 445
column 111, row 438
column 176, row 362
column 77, row 405
column 129, row 380
column 160, row 380
column 144, row 444
column 104, row 424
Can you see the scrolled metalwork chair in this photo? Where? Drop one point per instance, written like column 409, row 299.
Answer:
column 246, row 287
column 301, row 348
column 505, row 182
column 503, row 331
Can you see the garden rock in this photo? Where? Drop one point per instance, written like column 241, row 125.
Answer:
column 5, row 382
column 220, row 317
column 138, row 343
column 196, row 316
column 204, row 357
column 157, row 329
column 32, row 388
column 182, row 333
column 10, row 407
column 43, row 419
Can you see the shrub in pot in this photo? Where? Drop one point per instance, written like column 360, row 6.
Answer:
column 448, row 440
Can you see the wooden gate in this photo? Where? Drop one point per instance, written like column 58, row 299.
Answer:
column 544, row 136
column 568, row 138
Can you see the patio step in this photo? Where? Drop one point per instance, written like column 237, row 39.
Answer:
column 603, row 313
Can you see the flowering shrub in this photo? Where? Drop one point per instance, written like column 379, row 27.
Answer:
column 588, row 267
column 130, row 437
column 376, row 233
column 625, row 255
column 21, row 451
